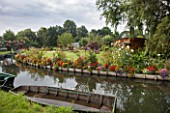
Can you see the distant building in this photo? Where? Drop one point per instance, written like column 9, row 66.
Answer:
column 132, row 43
column 3, row 49
column 76, row 44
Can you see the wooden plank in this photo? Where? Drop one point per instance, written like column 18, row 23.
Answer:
column 101, row 100
column 88, row 99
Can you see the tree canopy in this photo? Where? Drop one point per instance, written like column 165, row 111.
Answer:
column 160, row 42
column 70, row 27
column 9, row 35
column 136, row 13
column 81, row 32
column 65, row 39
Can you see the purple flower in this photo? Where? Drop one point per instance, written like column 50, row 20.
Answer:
column 163, row 72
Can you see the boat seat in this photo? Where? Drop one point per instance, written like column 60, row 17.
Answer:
column 69, row 91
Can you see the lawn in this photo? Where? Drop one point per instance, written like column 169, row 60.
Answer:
column 71, row 55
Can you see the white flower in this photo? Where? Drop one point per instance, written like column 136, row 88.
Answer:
column 145, row 70
column 132, row 50
column 158, row 54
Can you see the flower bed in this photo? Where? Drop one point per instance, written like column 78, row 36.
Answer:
column 90, row 65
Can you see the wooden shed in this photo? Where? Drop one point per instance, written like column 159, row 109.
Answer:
column 132, row 43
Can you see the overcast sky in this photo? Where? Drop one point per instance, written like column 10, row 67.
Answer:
column 18, row 15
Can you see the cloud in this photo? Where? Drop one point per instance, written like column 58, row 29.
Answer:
column 21, row 14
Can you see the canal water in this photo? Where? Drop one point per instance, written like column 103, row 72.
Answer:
column 134, row 96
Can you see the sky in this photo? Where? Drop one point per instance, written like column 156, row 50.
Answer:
column 18, row 15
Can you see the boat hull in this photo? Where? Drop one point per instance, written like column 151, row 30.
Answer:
column 79, row 101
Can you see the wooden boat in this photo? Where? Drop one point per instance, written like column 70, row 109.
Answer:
column 80, row 101
column 6, row 81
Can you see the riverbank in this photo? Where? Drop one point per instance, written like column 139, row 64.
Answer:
column 19, row 104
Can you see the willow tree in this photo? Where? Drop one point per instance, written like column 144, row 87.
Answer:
column 159, row 43
column 138, row 14
column 113, row 11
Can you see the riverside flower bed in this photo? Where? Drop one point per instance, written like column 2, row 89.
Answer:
column 89, row 65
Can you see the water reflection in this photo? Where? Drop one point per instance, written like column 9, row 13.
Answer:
column 134, row 96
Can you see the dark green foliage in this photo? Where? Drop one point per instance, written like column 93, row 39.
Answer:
column 137, row 13
column 9, row 35
column 52, row 36
column 70, row 27
column 104, row 31
column 159, row 43
column 81, row 32
column 27, row 33
column 41, row 35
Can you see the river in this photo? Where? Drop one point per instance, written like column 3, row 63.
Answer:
column 134, row 96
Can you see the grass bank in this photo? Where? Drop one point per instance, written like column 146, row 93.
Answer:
column 19, row 104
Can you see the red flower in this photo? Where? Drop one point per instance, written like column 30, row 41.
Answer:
column 60, row 63
column 106, row 66
column 49, row 60
column 112, row 68
column 130, row 69
column 94, row 64
column 151, row 68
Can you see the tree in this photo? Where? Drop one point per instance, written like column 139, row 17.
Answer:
column 52, row 36
column 104, row 31
column 81, row 32
column 83, row 42
column 42, row 36
column 94, row 31
column 9, row 35
column 137, row 13
column 107, row 40
column 65, row 39
column 112, row 11
column 70, row 27
column 27, row 33
column 60, row 30
column 160, row 42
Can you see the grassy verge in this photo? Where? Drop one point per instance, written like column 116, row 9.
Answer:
column 4, row 52
column 19, row 104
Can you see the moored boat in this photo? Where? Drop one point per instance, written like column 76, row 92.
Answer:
column 79, row 101
column 6, row 81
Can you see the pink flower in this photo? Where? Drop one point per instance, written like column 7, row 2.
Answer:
column 99, row 68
